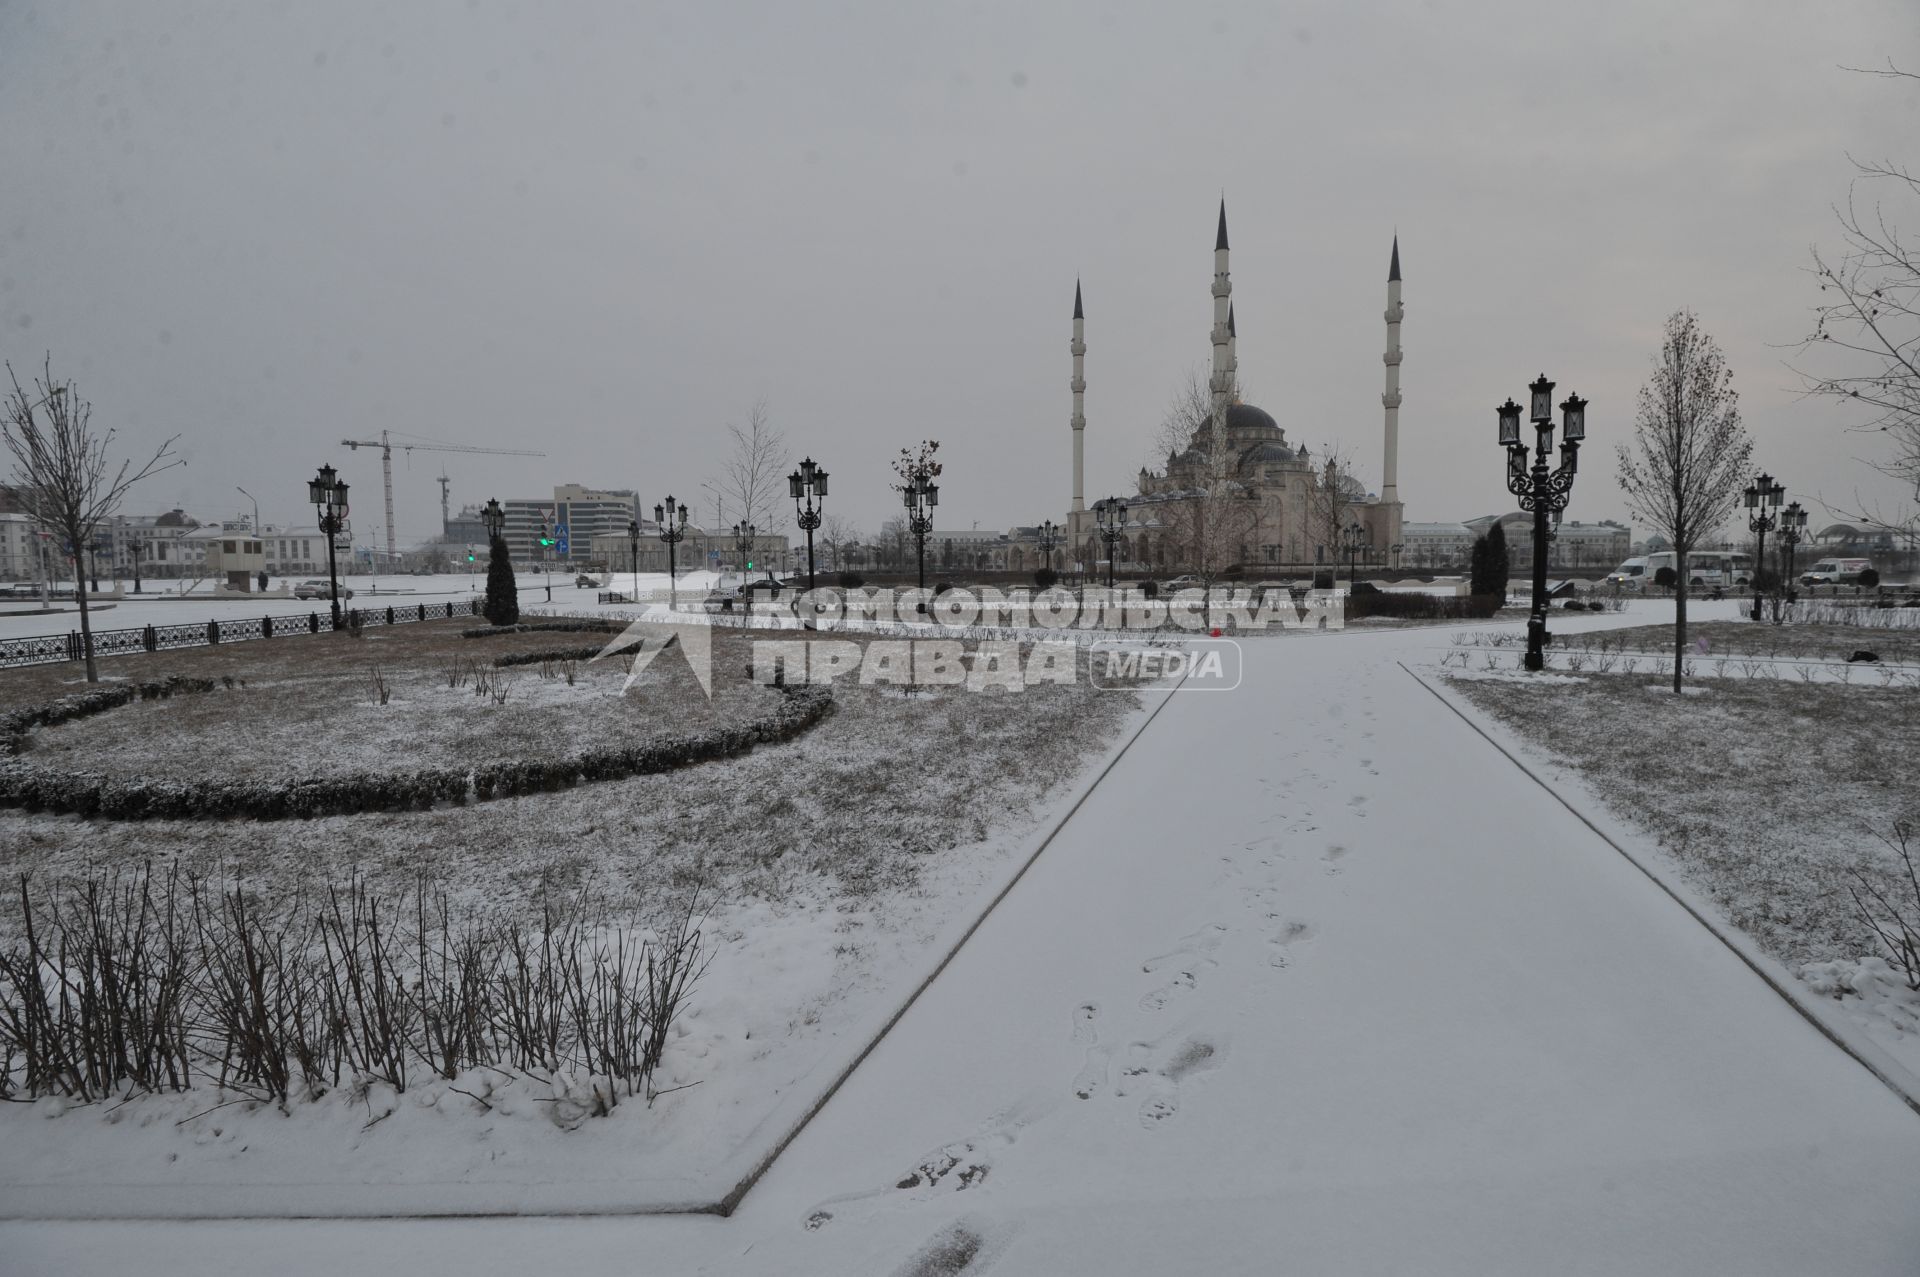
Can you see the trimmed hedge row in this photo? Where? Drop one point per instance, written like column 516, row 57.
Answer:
column 558, row 654
column 144, row 798
column 15, row 724
column 530, row 627
column 1422, row 607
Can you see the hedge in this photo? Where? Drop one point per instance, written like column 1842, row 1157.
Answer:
column 1423, row 607
column 144, row 798
column 531, row 627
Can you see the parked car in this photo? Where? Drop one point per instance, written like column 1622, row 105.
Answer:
column 587, row 581
column 1835, row 572
column 1184, row 583
column 317, row 590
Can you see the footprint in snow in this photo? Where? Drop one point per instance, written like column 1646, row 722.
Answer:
column 951, row 1168
column 1185, row 963
column 1291, row 932
column 1335, row 854
column 1159, row 1075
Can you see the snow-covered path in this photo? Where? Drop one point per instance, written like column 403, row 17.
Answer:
column 1315, row 983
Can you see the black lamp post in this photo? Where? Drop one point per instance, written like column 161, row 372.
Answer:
column 328, row 493
column 806, row 484
column 633, row 553
column 1111, row 514
column 1763, row 499
column 134, row 547
column 93, row 561
column 672, row 519
column 743, row 534
column 1353, row 538
column 1543, row 492
column 1048, row 537
column 921, row 495
column 1793, row 525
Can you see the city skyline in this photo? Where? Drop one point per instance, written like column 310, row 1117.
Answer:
column 609, row 236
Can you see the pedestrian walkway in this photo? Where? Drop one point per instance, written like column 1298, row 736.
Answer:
column 1316, row 982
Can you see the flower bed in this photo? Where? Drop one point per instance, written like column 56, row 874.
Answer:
column 22, row 784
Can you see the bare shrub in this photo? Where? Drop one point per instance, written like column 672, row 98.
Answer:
column 379, row 691
column 1893, row 914
column 144, row 985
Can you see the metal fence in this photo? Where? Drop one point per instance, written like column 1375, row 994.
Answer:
column 48, row 649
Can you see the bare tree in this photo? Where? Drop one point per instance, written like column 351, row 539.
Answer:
column 891, row 544
column 63, row 474
column 1870, row 309
column 752, row 479
column 1189, row 411
column 1207, row 531
column 836, row 533
column 1690, row 453
column 1331, row 500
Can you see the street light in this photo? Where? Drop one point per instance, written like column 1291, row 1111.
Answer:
column 328, row 493
column 1111, row 514
column 672, row 519
column 1543, row 492
column 1352, row 539
column 1048, row 537
column 633, row 554
column 1793, row 524
column 806, row 484
column 1763, row 499
column 921, row 495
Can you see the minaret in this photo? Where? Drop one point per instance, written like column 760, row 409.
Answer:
column 1233, row 356
column 1079, row 384
column 1221, row 383
column 1389, row 477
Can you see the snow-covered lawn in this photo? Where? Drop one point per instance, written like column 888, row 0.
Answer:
column 836, row 867
column 1767, row 795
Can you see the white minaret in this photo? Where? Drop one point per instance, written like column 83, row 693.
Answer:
column 1389, row 477
column 1079, row 384
column 1221, row 383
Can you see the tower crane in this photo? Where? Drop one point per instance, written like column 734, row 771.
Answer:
column 386, row 446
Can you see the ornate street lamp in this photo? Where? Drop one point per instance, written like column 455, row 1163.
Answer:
column 633, row 553
column 1542, row 492
column 1111, row 514
column 1048, row 537
column 808, row 486
column 673, row 530
column 921, row 495
column 1793, row 528
column 1353, row 539
column 1763, row 499
column 328, row 493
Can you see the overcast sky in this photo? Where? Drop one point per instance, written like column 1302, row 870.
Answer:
column 604, row 231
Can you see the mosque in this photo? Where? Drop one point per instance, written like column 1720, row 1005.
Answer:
column 1239, row 499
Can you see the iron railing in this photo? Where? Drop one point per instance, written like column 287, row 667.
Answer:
column 48, row 649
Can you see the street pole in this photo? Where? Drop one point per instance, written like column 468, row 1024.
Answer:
column 1543, row 492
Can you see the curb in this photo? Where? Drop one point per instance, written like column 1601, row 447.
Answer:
column 1866, row 1054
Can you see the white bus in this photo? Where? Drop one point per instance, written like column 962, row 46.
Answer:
column 1706, row 569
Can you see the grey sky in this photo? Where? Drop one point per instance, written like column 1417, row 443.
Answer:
column 604, row 230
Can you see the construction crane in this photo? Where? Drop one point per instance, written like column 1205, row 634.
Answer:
column 386, row 446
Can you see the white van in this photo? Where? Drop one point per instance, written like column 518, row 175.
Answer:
column 1835, row 572
column 1630, row 576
